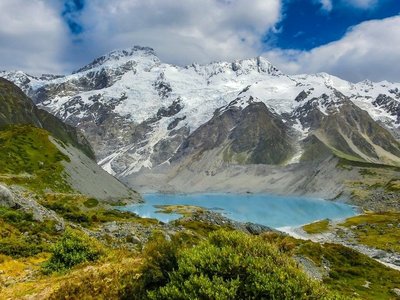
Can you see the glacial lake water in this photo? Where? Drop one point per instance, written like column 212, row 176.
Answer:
column 270, row 210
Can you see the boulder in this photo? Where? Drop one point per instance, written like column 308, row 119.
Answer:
column 7, row 198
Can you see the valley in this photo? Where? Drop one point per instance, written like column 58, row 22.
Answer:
column 80, row 153
column 241, row 126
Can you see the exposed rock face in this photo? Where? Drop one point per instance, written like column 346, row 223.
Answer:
column 6, row 197
column 347, row 131
column 215, row 218
column 252, row 135
column 389, row 104
column 19, row 199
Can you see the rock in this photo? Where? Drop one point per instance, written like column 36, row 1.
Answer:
column 133, row 239
column 7, row 198
column 215, row 218
column 367, row 284
column 256, row 229
column 111, row 227
column 311, row 269
column 17, row 198
column 396, row 291
column 379, row 254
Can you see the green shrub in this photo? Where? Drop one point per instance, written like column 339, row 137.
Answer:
column 91, row 202
column 349, row 270
column 72, row 249
column 317, row 227
column 228, row 265
column 22, row 236
column 21, row 246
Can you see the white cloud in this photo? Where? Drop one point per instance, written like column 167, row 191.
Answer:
column 31, row 35
column 181, row 31
column 326, row 5
column 369, row 50
column 34, row 38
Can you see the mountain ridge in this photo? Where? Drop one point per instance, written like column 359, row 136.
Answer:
column 137, row 112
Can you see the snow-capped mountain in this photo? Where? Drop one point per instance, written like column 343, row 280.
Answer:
column 140, row 113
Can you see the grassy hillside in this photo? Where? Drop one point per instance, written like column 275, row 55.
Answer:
column 17, row 108
column 207, row 262
column 29, row 158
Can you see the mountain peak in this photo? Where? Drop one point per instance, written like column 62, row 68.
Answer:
column 240, row 67
column 261, row 64
column 119, row 56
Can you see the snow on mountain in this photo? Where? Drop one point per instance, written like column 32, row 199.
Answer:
column 137, row 110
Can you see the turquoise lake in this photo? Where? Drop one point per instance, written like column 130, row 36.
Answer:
column 269, row 210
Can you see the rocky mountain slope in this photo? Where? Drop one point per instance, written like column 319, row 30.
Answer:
column 41, row 153
column 151, row 123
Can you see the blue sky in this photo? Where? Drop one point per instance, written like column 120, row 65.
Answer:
column 71, row 13
column 353, row 39
column 307, row 24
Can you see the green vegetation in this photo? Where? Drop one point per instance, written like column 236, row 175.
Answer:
column 317, row 227
column 88, row 212
column 374, row 182
column 202, row 262
column 378, row 230
column 350, row 272
column 363, row 164
column 232, row 157
column 91, row 202
column 109, row 280
column 27, row 151
column 17, row 108
column 202, row 229
column 344, row 270
column 185, row 210
column 21, row 236
column 315, row 150
column 393, row 185
column 72, row 249
column 227, row 265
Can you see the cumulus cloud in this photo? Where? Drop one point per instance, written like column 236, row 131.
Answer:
column 326, row 5
column 31, row 35
column 181, row 31
column 370, row 50
column 37, row 36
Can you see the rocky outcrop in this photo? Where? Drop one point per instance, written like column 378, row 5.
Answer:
column 6, row 197
column 214, row 218
column 18, row 198
column 252, row 135
column 389, row 104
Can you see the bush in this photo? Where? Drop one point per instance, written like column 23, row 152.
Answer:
column 91, row 202
column 72, row 249
column 228, row 265
column 21, row 236
column 233, row 265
